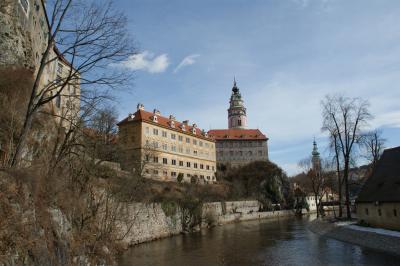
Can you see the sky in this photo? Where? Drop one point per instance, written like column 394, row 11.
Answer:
column 286, row 56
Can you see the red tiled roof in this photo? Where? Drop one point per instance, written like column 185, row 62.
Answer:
column 162, row 121
column 234, row 134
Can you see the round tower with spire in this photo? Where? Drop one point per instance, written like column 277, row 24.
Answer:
column 316, row 160
column 237, row 112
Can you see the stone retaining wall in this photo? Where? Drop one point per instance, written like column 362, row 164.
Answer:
column 149, row 221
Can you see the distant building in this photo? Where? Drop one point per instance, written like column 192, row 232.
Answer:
column 237, row 145
column 304, row 196
column 163, row 148
column 378, row 202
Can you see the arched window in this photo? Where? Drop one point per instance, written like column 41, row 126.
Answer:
column 239, row 122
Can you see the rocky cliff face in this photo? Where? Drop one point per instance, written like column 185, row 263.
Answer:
column 15, row 41
column 22, row 34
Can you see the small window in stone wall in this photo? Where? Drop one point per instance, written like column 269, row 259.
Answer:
column 25, row 5
column 37, row 7
column 58, row 101
column 366, row 211
column 394, row 212
column 379, row 212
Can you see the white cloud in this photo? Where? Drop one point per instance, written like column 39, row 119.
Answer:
column 187, row 61
column 390, row 119
column 147, row 61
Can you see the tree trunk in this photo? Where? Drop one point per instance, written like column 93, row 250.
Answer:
column 316, row 204
column 340, row 195
column 346, row 184
column 22, row 139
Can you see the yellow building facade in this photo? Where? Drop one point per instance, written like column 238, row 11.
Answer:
column 162, row 148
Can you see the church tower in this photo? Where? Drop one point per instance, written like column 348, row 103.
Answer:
column 316, row 160
column 237, row 112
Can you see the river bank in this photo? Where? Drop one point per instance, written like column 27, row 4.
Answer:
column 280, row 241
column 381, row 240
column 155, row 220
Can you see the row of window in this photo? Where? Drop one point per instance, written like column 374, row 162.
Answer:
column 380, row 212
column 180, row 138
column 239, row 153
column 179, row 149
column 231, row 144
column 175, row 174
column 181, row 163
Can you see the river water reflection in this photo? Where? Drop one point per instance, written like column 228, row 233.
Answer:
column 268, row 242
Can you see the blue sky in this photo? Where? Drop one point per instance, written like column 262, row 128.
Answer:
column 286, row 55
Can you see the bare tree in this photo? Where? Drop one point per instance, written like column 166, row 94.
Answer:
column 335, row 147
column 317, row 178
column 104, row 121
column 345, row 116
column 88, row 36
column 100, row 134
column 373, row 144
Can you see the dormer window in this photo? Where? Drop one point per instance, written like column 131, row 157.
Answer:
column 155, row 120
column 156, row 112
column 183, row 127
column 194, row 130
column 172, row 121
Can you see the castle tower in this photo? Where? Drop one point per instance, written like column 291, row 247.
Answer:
column 316, row 160
column 237, row 112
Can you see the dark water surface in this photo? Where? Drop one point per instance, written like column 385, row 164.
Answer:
column 268, row 242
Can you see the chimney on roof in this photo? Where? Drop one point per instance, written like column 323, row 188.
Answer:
column 140, row 106
column 171, row 121
column 194, row 126
column 185, row 122
column 156, row 112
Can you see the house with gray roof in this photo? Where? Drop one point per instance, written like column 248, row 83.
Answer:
column 378, row 203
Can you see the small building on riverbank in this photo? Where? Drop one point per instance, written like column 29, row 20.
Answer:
column 378, row 203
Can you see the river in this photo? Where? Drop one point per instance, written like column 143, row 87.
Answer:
column 266, row 242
